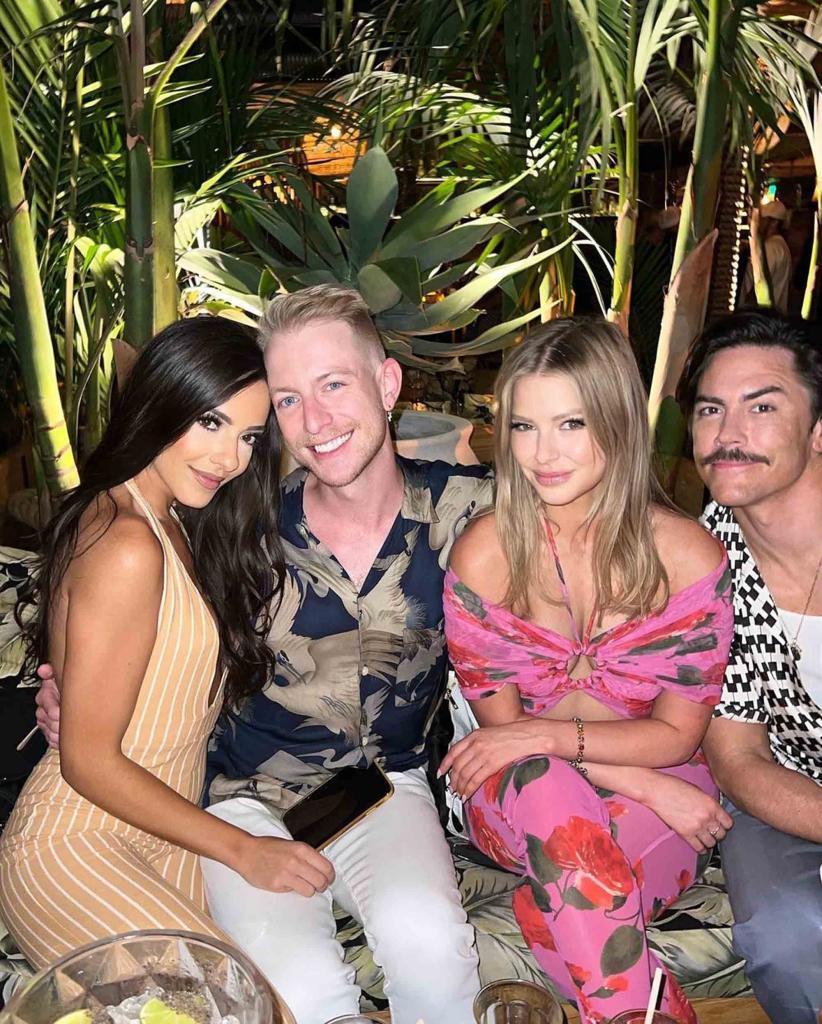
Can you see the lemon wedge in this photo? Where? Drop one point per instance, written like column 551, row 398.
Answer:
column 155, row 1011
column 75, row 1017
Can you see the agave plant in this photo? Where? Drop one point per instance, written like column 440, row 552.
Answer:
column 422, row 273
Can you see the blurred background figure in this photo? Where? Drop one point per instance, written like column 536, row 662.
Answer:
column 772, row 223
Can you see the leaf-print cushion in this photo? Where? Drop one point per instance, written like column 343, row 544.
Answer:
column 692, row 937
column 15, row 568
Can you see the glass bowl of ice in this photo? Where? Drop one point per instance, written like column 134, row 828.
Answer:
column 149, row 977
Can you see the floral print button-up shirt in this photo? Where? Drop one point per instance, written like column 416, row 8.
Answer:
column 360, row 674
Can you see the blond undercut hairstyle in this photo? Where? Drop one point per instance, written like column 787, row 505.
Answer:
column 290, row 312
column 629, row 575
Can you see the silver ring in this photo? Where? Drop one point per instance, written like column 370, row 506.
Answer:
column 714, row 831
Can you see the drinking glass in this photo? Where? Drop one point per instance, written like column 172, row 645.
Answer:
column 638, row 1017
column 112, row 980
column 353, row 1018
column 516, row 1002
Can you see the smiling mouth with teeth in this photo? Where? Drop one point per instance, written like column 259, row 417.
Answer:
column 331, row 446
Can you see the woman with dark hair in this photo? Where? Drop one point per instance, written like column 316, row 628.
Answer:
column 149, row 632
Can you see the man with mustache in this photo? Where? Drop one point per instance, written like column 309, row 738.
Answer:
column 752, row 387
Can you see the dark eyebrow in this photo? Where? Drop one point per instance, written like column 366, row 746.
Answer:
column 770, row 390
column 709, row 399
column 257, row 429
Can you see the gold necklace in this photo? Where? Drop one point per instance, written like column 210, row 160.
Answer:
column 796, row 650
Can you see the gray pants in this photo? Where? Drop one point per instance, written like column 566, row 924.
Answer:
column 776, row 896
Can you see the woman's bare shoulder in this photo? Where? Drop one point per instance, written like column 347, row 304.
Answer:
column 114, row 539
column 478, row 559
column 688, row 551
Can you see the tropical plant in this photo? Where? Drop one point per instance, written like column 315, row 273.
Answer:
column 619, row 40
column 746, row 54
column 422, row 272
column 29, row 309
column 805, row 99
column 95, row 78
column 457, row 105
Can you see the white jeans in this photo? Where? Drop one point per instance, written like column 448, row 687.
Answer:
column 395, row 875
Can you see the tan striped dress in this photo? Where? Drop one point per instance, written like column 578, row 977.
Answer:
column 69, row 872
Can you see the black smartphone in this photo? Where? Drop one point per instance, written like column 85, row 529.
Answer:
column 336, row 805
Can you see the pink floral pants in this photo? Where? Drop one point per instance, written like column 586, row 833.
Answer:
column 597, row 867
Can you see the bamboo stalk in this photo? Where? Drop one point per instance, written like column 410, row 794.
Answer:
column 702, row 186
column 71, row 234
column 32, row 335
column 687, row 297
column 140, row 105
column 166, row 296
column 813, row 269
column 625, row 247
column 138, row 269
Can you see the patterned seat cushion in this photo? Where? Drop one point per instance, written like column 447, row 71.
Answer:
column 16, row 566
column 693, row 936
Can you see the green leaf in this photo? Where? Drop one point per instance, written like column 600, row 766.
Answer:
column 574, row 898
column 458, row 302
column 405, row 273
column 412, row 322
column 453, row 244
column 223, row 270
column 327, row 241
column 621, row 951
column 192, row 220
column 661, row 644
column 506, row 778
column 430, row 217
column 377, row 288
column 284, row 223
column 602, row 993
column 530, row 770
column 312, row 277
column 492, row 340
column 541, row 897
column 543, row 867
column 370, row 199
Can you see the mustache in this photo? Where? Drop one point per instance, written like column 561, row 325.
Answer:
column 733, row 455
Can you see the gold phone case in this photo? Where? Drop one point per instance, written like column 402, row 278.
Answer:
column 354, row 821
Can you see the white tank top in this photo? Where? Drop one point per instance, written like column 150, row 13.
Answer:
column 810, row 641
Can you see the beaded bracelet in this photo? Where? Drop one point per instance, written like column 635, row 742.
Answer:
column 577, row 761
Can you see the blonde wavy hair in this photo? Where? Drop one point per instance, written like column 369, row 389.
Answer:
column 629, row 575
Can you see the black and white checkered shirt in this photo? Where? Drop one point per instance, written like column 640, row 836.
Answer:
column 762, row 682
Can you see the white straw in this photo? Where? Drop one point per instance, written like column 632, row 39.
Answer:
column 649, row 1013
column 27, row 737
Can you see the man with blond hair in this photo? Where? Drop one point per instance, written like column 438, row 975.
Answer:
column 361, row 666
column 361, row 670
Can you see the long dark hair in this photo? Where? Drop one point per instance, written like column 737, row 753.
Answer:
column 188, row 369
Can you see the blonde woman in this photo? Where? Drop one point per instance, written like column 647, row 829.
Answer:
column 590, row 625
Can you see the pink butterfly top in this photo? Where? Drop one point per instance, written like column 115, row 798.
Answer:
column 682, row 648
